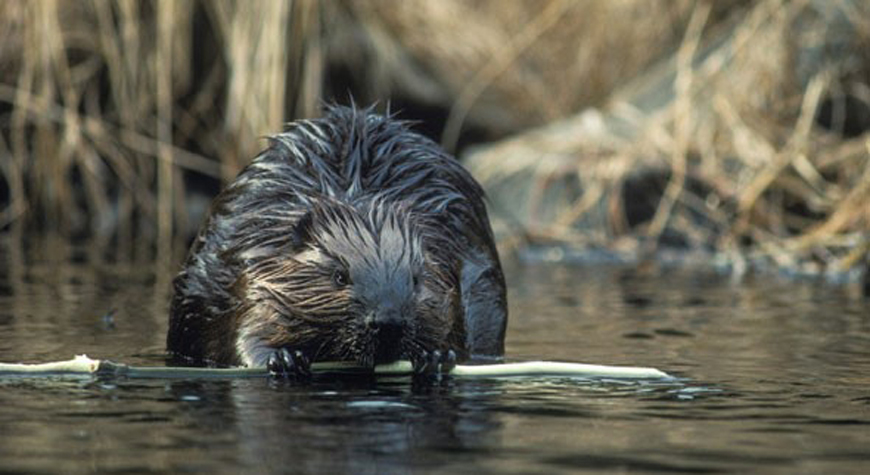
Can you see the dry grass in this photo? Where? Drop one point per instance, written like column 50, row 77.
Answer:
column 516, row 64
column 732, row 130
column 108, row 107
column 107, row 103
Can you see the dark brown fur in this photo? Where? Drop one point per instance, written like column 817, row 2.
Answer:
column 349, row 238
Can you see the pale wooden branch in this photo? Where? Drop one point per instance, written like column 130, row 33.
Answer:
column 81, row 365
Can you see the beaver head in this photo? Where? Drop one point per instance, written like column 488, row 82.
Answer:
column 356, row 281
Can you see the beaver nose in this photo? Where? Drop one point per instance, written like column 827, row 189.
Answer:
column 389, row 326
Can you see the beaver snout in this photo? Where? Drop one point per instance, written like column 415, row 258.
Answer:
column 388, row 327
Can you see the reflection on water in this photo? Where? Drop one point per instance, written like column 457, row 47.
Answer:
column 774, row 378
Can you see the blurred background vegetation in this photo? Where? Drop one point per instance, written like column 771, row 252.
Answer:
column 735, row 129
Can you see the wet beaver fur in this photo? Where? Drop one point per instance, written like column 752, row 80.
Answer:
column 349, row 238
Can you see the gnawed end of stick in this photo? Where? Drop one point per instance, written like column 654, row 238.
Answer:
column 80, row 364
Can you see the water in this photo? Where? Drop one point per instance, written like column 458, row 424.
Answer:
column 775, row 379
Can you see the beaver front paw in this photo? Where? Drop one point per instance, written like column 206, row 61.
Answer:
column 289, row 364
column 434, row 363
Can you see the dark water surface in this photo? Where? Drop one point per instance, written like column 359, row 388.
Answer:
column 777, row 380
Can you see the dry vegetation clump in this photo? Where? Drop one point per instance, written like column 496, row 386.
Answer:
column 107, row 105
column 751, row 142
column 508, row 66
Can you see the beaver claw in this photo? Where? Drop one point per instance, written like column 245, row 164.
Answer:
column 287, row 364
column 435, row 363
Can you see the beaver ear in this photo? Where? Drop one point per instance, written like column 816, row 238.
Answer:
column 302, row 230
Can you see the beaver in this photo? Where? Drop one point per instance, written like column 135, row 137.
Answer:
column 350, row 238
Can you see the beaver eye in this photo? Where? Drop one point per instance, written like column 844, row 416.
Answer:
column 340, row 278
column 415, row 280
